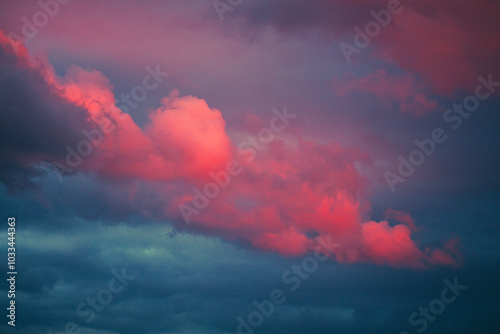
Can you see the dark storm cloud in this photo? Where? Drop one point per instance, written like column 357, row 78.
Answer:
column 35, row 124
column 193, row 283
column 298, row 14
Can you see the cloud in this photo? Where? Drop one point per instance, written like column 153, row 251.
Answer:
column 292, row 191
column 209, row 283
column 402, row 93
column 191, row 134
column 178, row 142
column 448, row 48
column 401, row 216
column 35, row 119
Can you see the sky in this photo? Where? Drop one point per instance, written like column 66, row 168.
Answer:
column 237, row 166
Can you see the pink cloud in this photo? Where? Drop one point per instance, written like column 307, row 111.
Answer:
column 187, row 130
column 292, row 192
column 402, row 217
column 449, row 48
column 295, row 189
column 392, row 245
column 184, row 139
column 405, row 91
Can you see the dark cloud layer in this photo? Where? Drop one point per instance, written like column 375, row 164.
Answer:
column 34, row 122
